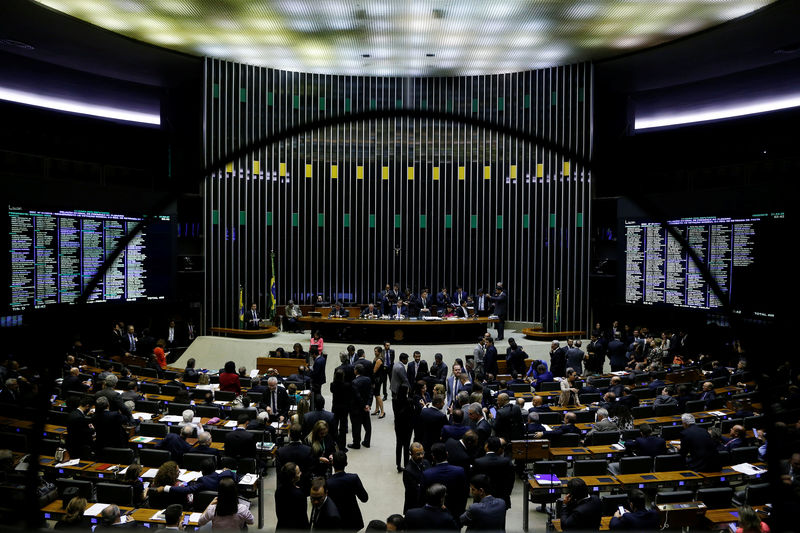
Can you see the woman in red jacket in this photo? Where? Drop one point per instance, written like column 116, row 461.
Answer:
column 229, row 379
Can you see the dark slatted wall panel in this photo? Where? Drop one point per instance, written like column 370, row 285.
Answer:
column 418, row 201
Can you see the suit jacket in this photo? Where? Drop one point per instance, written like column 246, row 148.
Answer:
column 115, row 401
column 489, row 514
column 455, row 480
column 79, row 435
column 318, row 371
column 109, row 430
column 457, row 455
column 128, row 346
column 462, row 312
column 558, row 362
column 452, row 431
column 394, row 311
column 240, row 443
column 700, row 448
column 248, row 319
column 500, row 304
column 412, row 484
column 291, row 508
column 312, row 417
column 415, row 374
column 328, row 517
column 490, row 360
column 375, row 311
column 616, row 355
column 299, row 454
column 454, row 388
column 399, row 377
column 208, row 450
column 72, row 383
column 651, row 446
column 439, row 372
column 282, row 401
column 442, row 300
column 362, row 393
column 429, row 427
column 342, row 313
column 575, row 359
column 176, row 446
column 484, row 431
column 388, row 358
column 645, row 520
column 343, row 489
column 209, row 482
column 584, row 515
column 508, row 422
column 429, row 518
column 500, row 470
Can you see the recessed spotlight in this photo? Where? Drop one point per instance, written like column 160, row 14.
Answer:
column 430, row 55
column 365, row 55
column 438, row 13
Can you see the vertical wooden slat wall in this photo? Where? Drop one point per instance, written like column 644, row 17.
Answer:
column 417, row 201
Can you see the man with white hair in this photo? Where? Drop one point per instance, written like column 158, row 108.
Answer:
column 204, row 444
column 479, row 424
column 188, row 421
column 602, row 423
column 275, row 400
column 697, row 447
column 115, row 400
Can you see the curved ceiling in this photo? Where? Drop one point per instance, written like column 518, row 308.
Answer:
column 406, row 37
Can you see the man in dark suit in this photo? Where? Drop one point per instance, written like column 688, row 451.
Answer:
column 412, row 477
column 500, row 300
column 318, row 373
column 450, row 476
column 324, row 514
column 252, row 317
column 430, row 422
column 319, row 413
column 575, row 356
column 567, row 427
column 176, row 445
column 417, row 369
column 499, row 470
column 638, row 517
column 108, row 426
column 480, row 424
column 649, row 444
column 130, row 341
column 456, row 428
column 298, row 453
column 616, row 354
column 370, row 311
column 461, row 452
column 276, row 400
column 115, row 401
column 558, row 360
column 488, row 513
column 708, row 395
column 73, row 382
column 190, row 374
column 80, row 430
column 209, row 481
column 533, row 426
column 490, row 358
column 438, row 369
column 461, row 310
column 697, row 447
column 240, row 443
column 581, row 511
column 398, row 310
column 338, row 312
column 434, row 515
column 204, row 445
column 737, row 440
column 343, row 489
column 508, row 421
column 359, row 413
column 628, row 399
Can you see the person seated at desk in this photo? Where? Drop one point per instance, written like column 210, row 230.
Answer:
column 209, row 481
column 399, row 311
column 637, row 517
column 538, row 406
column 581, row 511
column 462, row 311
column 176, row 445
column 533, row 426
column 204, row 445
column 602, row 423
column 665, row 398
column 567, row 427
column 226, row 511
column 338, row 312
column 190, row 374
column 370, row 311
column 448, row 312
column 74, row 383
column 298, row 353
column 229, row 379
column 292, row 313
column 649, row 444
column 74, row 520
column 167, row 476
column 737, row 439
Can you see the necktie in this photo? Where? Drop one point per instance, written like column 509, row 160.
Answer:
column 132, row 341
column 274, row 402
column 314, row 516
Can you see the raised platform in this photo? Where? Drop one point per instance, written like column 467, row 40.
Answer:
column 457, row 330
column 259, row 333
column 541, row 335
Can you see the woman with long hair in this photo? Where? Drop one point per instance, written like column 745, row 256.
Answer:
column 750, row 522
column 291, row 503
column 167, row 476
column 74, row 519
column 131, row 478
column 226, row 511
column 322, row 448
column 378, row 380
column 229, row 379
column 302, row 408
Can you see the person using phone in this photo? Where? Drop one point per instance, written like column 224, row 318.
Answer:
column 638, row 518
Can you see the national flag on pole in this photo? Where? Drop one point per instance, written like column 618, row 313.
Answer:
column 273, row 289
column 557, row 309
column 241, row 306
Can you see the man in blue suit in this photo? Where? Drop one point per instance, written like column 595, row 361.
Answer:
column 176, row 445
column 318, row 371
column 649, row 444
column 500, row 300
column 434, row 515
column 638, row 518
column 343, row 489
column 487, row 513
column 616, row 354
column 209, row 481
column 449, row 476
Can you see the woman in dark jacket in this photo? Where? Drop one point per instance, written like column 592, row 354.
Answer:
column 291, row 503
column 342, row 397
column 403, row 407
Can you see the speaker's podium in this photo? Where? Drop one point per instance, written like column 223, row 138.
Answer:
column 528, row 451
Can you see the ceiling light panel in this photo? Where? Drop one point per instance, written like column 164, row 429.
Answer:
column 331, row 36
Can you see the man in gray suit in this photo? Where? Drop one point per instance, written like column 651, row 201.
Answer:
column 487, row 513
column 399, row 374
column 602, row 423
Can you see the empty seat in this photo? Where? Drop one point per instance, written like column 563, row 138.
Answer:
column 675, row 496
column 669, row 463
column 114, row 493
column 590, row 397
column 717, row 498
column 224, row 396
column 601, row 438
column 148, row 373
column 58, row 418
column 694, row 406
column 153, row 458
column 85, row 489
column 255, row 397
column 217, row 434
column 195, row 461
column 556, row 468
column 519, row 387
column 725, row 458
column 643, row 411
column 630, row 434
column 585, row 417
column 120, row 456
column 147, row 406
column 152, row 429
column 597, row 467
column 644, row 393
column 550, row 386
column 16, row 442
column 250, row 412
column 745, row 454
column 178, row 408
column 169, row 375
column 751, row 422
column 245, row 382
column 209, row 411
column 171, row 390
column 665, row 410
column 601, row 383
column 632, row 465
column 49, row 446
column 202, row 499
column 671, row 432
column 551, row 418
column 565, row 440
column 149, row 388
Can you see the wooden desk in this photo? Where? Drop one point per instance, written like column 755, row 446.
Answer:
column 658, row 479
column 605, row 451
column 595, row 482
column 604, row 523
column 567, row 454
column 720, row 518
column 48, row 461
column 431, row 331
column 540, row 334
column 729, row 474
column 259, row 333
column 286, row 366
column 55, row 511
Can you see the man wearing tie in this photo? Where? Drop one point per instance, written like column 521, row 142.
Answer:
column 337, row 311
column 425, row 302
column 251, row 318
column 324, row 514
column 500, row 307
column 481, row 303
column 462, row 311
column 399, row 310
column 459, row 296
column 442, row 299
column 276, row 400
column 171, row 335
column 130, row 340
column 455, row 385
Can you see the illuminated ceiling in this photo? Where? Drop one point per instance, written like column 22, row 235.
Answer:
column 406, row 37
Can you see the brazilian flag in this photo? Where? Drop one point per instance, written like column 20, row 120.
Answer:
column 273, row 289
column 241, row 306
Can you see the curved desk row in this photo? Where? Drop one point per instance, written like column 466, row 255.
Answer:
column 379, row 330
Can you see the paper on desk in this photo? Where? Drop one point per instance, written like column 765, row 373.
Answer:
column 619, row 373
column 124, row 518
column 716, row 413
column 306, row 392
column 748, row 469
column 71, row 462
column 190, row 476
column 276, row 425
column 546, row 427
column 254, row 373
column 95, row 509
column 231, row 424
column 202, row 387
column 159, row 515
column 143, row 439
column 195, row 517
column 122, row 472
column 248, row 479
column 220, row 402
column 143, row 416
column 618, row 446
column 150, row 473
column 172, row 418
column 196, row 420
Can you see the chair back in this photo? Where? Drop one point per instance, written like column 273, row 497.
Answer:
column 153, row 458
column 114, row 493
